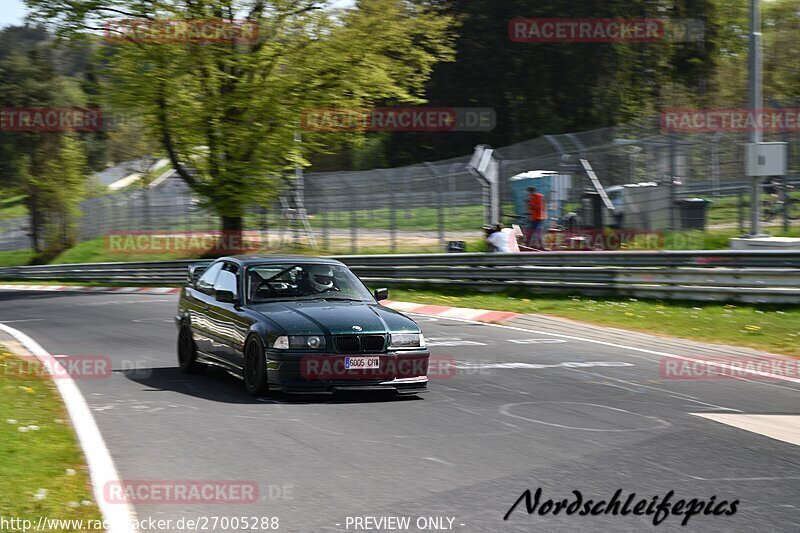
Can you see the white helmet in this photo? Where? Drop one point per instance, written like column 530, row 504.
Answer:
column 321, row 277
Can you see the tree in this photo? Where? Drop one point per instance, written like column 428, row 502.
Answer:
column 226, row 112
column 47, row 168
column 549, row 88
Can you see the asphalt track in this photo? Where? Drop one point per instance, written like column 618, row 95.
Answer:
column 466, row 450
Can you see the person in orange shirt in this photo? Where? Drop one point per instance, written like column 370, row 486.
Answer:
column 537, row 211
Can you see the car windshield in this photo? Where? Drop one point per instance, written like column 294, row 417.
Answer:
column 307, row 281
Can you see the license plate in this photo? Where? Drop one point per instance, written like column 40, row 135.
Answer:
column 365, row 363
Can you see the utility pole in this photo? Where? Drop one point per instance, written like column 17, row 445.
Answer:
column 755, row 101
column 299, row 217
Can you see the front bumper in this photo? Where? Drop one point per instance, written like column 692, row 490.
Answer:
column 403, row 372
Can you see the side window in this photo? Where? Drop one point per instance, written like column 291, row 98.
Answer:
column 206, row 281
column 226, row 281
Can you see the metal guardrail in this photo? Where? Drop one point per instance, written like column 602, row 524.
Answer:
column 148, row 272
column 770, row 276
column 667, row 258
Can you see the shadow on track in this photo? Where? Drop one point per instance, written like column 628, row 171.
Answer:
column 11, row 295
column 219, row 386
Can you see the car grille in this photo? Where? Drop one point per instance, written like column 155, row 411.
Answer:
column 348, row 343
column 372, row 343
column 360, row 343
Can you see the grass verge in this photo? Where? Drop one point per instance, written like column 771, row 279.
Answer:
column 16, row 257
column 97, row 251
column 772, row 328
column 14, row 206
column 42, row 469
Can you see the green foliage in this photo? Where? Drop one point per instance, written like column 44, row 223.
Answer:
column 62, row 187
column 226, row 113
column 46, row 168
column 781, row 47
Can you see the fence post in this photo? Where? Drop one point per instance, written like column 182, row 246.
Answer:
column 439, row 203
column 353, row 227
column 440, row 208
column 741, row 211
column 672, row 156
column 392, row 221
column 147, row 217
column 785, row 197
column 325, row 242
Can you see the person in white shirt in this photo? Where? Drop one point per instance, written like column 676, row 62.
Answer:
column 502, row 240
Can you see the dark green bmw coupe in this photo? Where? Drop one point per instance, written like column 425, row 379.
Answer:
column 299, row 325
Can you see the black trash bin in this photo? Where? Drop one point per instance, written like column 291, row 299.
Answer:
column 456, row 246
column 693, row 212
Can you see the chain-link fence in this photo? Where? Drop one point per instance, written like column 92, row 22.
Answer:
column 648, row 175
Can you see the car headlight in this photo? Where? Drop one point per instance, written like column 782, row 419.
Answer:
column 300, row 342
column 281, row 343
column 313, row 342
column 407, row 340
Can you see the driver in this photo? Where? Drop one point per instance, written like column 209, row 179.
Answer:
column 321, row 277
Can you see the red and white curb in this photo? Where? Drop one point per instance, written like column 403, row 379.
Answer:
column 464, row 313
column 80, row 288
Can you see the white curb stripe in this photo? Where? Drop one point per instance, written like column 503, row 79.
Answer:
column 119, row 517
column 465, row 313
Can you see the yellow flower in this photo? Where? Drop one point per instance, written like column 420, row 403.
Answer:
column 751, row 327
column 526, row 300
column 628, row 314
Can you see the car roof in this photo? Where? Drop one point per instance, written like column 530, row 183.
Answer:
column 247, row 260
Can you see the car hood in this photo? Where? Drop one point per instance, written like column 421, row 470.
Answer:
column 334, row 318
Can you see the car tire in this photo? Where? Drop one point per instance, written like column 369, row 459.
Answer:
column 255, row 367
column 187, row 352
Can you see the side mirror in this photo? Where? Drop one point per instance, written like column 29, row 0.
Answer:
column 225, row 296
column 194, row 272
column 381, row 294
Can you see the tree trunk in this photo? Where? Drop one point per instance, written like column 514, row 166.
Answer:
column 232, row 223
column 35, row 223
column 231, row 241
